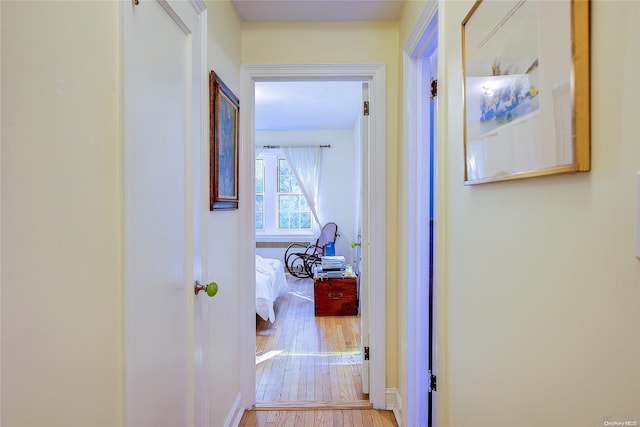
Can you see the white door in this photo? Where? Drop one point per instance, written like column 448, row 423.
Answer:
column 162, row 126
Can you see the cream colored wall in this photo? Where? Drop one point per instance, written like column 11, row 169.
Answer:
column 223, row 228
column 411, row 12
column 353, row 42
column 540, row 290
column 61, row 287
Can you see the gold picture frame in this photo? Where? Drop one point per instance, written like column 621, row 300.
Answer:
column 526, row 90
column 224, row 110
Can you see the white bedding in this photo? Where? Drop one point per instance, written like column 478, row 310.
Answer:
column 270, row 284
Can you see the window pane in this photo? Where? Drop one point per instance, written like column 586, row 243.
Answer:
column 259, row 176
column 287, row 182
column 259, row 194
column 283, row 174
column 259, row 212
column 295, row 220
column 284, row 220
column 285, row 203
column 305, row 220
column 302, row 204
column 293, row 211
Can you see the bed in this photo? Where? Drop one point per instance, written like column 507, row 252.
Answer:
column 270, row 284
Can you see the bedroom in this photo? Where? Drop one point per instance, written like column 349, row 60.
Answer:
column 305, row 114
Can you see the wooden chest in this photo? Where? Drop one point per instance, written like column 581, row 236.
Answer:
column 336, row 296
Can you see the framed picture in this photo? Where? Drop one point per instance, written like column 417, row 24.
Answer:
column 525, row 66
column 223, row 130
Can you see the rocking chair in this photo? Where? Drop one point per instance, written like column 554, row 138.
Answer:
column 300, row 259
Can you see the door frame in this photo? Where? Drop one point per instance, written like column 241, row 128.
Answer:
column 376, row 174
column 421, row 43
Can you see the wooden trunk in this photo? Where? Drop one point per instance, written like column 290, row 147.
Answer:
column 336, row 296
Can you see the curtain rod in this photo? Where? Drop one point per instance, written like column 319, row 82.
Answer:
column 295, row 146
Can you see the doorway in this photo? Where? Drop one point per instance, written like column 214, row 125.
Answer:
column 373, row 236
column 421, row 70
column 308, row 139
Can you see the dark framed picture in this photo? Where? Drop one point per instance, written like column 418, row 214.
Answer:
column 224, row 114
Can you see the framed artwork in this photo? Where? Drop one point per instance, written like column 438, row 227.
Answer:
column 224, row 112
column 525, row 66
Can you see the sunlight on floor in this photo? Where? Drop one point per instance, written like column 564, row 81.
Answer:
column 347, row 357
column 299, row 295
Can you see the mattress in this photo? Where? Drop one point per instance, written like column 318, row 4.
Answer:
column 270, row 284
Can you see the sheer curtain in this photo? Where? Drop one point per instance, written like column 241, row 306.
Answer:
column 305, row 163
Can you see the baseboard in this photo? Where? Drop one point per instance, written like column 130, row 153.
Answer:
column 235, row 414
column 394, row 403
column 312, row 405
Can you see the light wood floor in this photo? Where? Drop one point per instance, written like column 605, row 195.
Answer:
column 307, row 359
column 324, row 418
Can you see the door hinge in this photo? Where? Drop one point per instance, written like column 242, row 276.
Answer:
column 434, row 88
column 365, row 109
column 366, row 353
column 433, row 386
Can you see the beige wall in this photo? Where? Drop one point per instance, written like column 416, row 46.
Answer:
column 540, row 292
column 223, row 229
column 61, row 308
column 369, row 42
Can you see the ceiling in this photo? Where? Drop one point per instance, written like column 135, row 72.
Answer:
column 317, row 10
column 311, row 105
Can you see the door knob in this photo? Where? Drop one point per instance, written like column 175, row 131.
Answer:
column 211, row 289
column 354, row 244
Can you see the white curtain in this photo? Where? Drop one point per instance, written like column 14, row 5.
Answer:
column 305, row 163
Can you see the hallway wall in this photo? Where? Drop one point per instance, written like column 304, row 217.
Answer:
column 539, row 288
column 222, row 229
column 61, row 285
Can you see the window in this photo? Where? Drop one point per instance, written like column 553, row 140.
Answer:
column 280, row 205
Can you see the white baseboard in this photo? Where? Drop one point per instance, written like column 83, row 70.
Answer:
column 394, row 403
column 235, row 413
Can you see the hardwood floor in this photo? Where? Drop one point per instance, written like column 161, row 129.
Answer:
column 308, row 369
column 315, row 361
column 324, row 418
